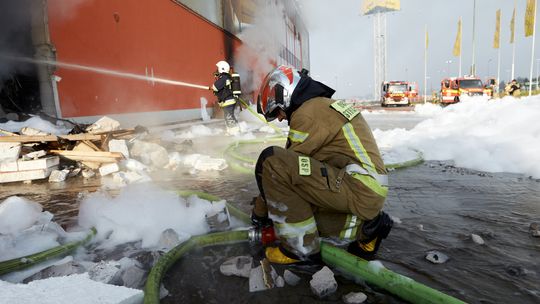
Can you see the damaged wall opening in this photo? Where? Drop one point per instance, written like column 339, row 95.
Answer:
column 19, row 84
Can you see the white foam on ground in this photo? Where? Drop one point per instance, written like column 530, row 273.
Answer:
column 77, row 288
column 501, row 135
column 36, row 123
column 17, row 214
column 143, row 212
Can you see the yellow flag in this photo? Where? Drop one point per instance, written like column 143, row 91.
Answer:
column 457, row 44
column 497, row 37
column 512, row 26
column 529, row 17
column 427, row 39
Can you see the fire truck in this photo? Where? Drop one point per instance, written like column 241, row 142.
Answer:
column 452, row 89
column 395, row 93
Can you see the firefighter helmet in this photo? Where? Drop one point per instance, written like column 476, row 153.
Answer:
column 276, row 91
column 223, row 67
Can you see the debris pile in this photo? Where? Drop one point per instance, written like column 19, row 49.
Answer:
column 102, row 147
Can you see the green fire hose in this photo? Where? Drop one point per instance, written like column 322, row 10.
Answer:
column 246, row 164
column 36, row 258
column 370, row 272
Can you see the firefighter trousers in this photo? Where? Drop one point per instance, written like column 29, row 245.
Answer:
column 326, row 202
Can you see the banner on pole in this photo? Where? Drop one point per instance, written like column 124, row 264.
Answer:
column 512, row 26
column 529, row 17
column 457, row 44
column 497, row 37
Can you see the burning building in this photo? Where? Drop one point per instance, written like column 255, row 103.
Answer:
column 83, row 59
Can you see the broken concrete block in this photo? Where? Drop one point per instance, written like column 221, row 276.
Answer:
column 119, row 145
column 354, row 298
column 280, row 282
column 477, row 239
column 134, row 165
column 9, row 151
column 108, row 169
column 150, row 153
column 61, row 270
column 163, row 292
column 291, row 278
column 237, row 266
column 133, row 277
column 87, row 173
column 74, row 172
column 41, row 163
column 104, row 271
column 323, row 282
column 58, row 176
column 256, row 281
column 104, row 124
column 436, row 257
column 34, row 155
column 168, row 239
column 7, row 177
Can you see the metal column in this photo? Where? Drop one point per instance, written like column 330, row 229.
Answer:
column 379, row 52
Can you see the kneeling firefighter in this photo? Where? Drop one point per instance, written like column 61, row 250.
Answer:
column 329, row 181
column 227, row 101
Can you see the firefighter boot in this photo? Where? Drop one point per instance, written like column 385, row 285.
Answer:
column 374, row 231
column 275, row 255
column 259, row 214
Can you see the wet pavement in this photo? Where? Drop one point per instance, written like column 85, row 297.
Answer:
column 438, row 206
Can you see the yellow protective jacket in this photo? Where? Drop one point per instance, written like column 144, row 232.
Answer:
column 320, row 131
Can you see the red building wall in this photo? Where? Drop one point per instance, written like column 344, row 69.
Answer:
column 131, row 36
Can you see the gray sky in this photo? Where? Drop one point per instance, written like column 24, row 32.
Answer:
column 341, row 42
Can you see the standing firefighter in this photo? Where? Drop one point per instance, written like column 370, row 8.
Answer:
column 223, row 90
column 513, row 88
column 329, row 181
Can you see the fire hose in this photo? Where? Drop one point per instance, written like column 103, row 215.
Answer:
column 36, row 258
column 360, row 269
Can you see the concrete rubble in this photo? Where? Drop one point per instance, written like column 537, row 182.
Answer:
column 237, row 266
column 355, row 298
column 124, row 156
column 436, row 257
column 323, row 282
column 291, row 278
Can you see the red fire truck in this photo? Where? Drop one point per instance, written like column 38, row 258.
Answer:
column 396, row 93
column 452, row 89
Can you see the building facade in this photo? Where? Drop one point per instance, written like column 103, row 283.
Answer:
column 111, row 54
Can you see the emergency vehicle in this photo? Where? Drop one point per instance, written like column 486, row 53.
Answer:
column 452, row 89
column 413, row 91
column 395, row 93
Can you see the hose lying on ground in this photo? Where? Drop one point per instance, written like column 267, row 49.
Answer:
column 245, row 164
column 370, row 272
column 153, row 282
column 36, row 258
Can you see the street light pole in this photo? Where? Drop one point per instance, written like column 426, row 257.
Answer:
column 448, row 67
column 537, row 73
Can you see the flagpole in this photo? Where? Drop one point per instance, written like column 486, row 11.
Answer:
column 460, row 40
column 532, row 52
column 473, row 66
column 498, row 70
column 425, row 64
column 513, row 44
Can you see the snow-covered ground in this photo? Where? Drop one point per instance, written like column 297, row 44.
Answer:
column 500, row 135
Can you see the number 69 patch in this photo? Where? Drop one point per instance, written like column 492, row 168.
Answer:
column 304, row 165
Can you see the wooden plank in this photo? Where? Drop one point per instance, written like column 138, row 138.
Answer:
column 92, row 159
column 88, row 153
column 41, row 138
column 83, row 146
